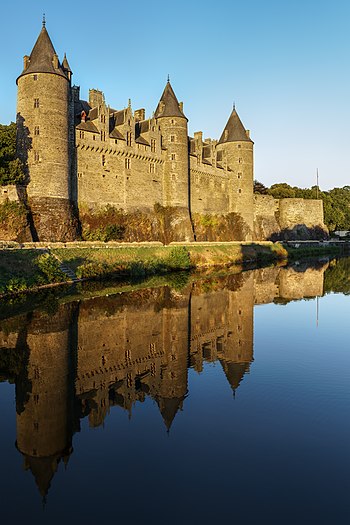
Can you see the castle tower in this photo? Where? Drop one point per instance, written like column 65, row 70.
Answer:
column 43, row 140
column 237, row 148
column 173, row 126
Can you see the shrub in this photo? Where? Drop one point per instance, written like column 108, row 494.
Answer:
column 50, row 268
column 16, row 284
column 179, row 258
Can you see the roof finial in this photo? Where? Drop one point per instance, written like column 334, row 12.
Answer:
column 234, row 105
column 168, row 78
column 44, row 20
column 129, row 103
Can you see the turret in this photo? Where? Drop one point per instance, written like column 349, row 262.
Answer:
column 43, row 139
column 173, row 126
column 237, row 149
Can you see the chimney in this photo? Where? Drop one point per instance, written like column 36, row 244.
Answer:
column 181, row 106
column 25, row 62
column 139, row 114
column 96, row 97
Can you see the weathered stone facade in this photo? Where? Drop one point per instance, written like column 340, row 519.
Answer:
column 83, row 156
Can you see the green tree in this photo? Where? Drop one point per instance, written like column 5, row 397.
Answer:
column 11, row 169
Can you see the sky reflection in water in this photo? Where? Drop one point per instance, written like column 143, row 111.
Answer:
column 224, row 401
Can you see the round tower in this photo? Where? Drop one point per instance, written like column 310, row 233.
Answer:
column 173, row 126
column 43, row 116
column 237, row 148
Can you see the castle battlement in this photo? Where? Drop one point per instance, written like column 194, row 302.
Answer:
column 82, row 156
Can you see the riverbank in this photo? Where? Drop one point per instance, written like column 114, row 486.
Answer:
column 39, row 265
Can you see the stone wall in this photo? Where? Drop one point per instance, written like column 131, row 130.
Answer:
column 288, row 218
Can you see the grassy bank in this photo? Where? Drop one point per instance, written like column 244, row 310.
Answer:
column 24, row 270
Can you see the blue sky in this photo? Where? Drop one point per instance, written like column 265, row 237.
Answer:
column 284, row 64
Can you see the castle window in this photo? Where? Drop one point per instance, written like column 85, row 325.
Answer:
column 152, row 167
column 238, row 145
column 173, row 156
column 172, row 138
column 128, row 138
column 36, row 156
column 239, row 160
column 153, row 128
column 116, row 142
column 239, row 175
column 173, row 177
column 35, row 77
column 103, row 119
column 103, row 160
column 93, row 137
column 127, row 164
column 36, row 102
column 239, row 191
column 81, row 134
column 172, row 121
column 36, row 130
column 103, row 136
column 153, row 145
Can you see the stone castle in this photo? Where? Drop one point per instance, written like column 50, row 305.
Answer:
column 83, row 157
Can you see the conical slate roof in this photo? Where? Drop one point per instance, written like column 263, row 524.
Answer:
column 168, row 105
column 41, row 57
column 234, row 130
column 65, row 64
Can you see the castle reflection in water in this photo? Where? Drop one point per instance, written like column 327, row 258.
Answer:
column 97, row 353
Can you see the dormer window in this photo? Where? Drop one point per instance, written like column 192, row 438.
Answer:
column 83, row 116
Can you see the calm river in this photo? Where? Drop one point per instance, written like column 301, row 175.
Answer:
column 220, row 399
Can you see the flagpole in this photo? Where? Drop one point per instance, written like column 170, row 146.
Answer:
column 316, row 183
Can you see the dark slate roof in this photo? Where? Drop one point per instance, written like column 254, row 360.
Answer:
column 144, row 126
column 235, row 130
column 119, row 117
column 168, row 105
column 87, row 126
column 40, row 60
column 65, row 64
column 93, row 113
column 141, row 140
column 115, row 134
column 81, row 105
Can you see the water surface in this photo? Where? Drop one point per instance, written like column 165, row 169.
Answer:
column 218, row 400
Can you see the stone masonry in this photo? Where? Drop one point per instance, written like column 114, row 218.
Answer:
column 82, row 156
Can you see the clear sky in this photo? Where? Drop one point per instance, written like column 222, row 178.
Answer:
column 284, row 64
